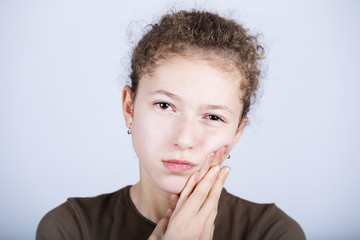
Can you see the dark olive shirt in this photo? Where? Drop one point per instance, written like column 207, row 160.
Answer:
column 114, row 216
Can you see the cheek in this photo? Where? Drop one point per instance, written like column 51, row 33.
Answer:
column 215, row 139
column 149, row 132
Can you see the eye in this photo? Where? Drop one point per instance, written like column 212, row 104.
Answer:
column 214, row 118
column 163, row 105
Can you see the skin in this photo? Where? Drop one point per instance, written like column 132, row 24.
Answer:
column 187, row 109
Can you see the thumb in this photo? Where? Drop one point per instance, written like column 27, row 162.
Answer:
column 161, row 226
column 174, row 199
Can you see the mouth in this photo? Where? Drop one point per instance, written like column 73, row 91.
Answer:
column 178, row 166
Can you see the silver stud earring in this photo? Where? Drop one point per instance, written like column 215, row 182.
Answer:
column 228, row 156
column 129, row 131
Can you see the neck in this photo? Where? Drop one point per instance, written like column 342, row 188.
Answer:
column 149, row 200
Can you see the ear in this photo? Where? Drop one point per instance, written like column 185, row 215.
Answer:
column 240, row 130
column 128, row 106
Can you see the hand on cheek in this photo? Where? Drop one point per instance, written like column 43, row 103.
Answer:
column 194, row 211
column 213, row 159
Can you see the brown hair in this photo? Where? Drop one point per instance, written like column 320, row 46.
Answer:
column 206, row 33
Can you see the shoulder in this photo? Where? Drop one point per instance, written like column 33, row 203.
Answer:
column 63, row 222
column 74, row 218
column 255, row 221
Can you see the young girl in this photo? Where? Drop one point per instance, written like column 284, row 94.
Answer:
column 194, row 77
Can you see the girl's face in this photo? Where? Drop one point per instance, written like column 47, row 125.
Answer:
column 186, row 109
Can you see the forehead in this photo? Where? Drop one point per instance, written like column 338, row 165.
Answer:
column 194, row 71
column 193, row 79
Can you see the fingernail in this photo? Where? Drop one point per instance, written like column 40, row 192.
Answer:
column 169, row 212
column 226, row 151
column 196, row 176
column 211, row 157
column 216, row 169
column 227, row 170
column 223, row 151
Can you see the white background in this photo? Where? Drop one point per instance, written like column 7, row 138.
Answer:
column 62, row 67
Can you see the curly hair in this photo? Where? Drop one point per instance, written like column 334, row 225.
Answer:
column 201, row 33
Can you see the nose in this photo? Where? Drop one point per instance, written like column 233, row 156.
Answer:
column 186, row 134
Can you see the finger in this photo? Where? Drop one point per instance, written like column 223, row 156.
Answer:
column 208, row 163
column 188, row 189
column 212, row 200
column 200, row 193
column 161, row 226
column 189, row 186
column 173, row 200
column 209, row 227
column 220, row 156
column 213, row 159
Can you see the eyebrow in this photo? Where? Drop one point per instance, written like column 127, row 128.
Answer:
column 169, row 94
column 221, row 107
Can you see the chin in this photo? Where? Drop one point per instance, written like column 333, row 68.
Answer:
column 173, row 184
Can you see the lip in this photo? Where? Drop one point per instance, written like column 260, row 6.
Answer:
column 178, row 166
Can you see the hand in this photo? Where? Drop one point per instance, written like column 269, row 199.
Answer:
column 196, row 207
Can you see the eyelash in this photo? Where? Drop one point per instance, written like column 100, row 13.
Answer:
column 163, row 103
column 217, row 118
column 211, row 117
